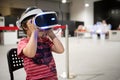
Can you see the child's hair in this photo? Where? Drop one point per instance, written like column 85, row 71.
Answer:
column 30, row 16
column 24, row 25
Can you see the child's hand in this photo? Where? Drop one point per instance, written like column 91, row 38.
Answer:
column 31, row 25
column 51, row 34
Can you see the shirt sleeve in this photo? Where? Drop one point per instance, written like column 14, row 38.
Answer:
column 21, row 45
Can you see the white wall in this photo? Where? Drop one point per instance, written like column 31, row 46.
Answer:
column 79, row 12
column 9, row 38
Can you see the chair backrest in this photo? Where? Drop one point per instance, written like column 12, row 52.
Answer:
column 14, row 62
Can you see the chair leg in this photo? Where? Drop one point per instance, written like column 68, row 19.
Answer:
column 11, row 76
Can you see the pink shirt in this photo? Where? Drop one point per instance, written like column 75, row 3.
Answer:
column 43, row 64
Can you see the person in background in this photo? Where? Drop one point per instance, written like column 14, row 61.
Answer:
column 80, row 28
column 118, row 27
column 36, row 49
column 106, row 28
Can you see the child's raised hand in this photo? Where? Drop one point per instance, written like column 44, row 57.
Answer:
column 31, row 25
column 51, row 34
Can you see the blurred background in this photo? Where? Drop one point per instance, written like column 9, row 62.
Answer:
column 94, row 36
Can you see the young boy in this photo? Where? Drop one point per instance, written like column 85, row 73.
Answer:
column 36, row 49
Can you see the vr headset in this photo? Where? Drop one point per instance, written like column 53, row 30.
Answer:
column 42, row 20
column 46, row 20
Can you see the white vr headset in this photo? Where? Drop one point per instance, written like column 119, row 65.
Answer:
column 43, row 20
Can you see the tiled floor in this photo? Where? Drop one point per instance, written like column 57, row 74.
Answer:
column 88, row 60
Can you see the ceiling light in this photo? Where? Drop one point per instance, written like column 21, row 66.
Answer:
column 64, row 1
column 87, row 5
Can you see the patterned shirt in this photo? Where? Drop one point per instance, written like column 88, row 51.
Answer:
column 42, row 65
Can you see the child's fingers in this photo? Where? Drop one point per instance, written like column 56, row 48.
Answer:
column 31, row 25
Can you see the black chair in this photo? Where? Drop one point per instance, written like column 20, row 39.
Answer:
column 14, row 62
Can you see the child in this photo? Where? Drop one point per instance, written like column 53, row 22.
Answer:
column 36, row 49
